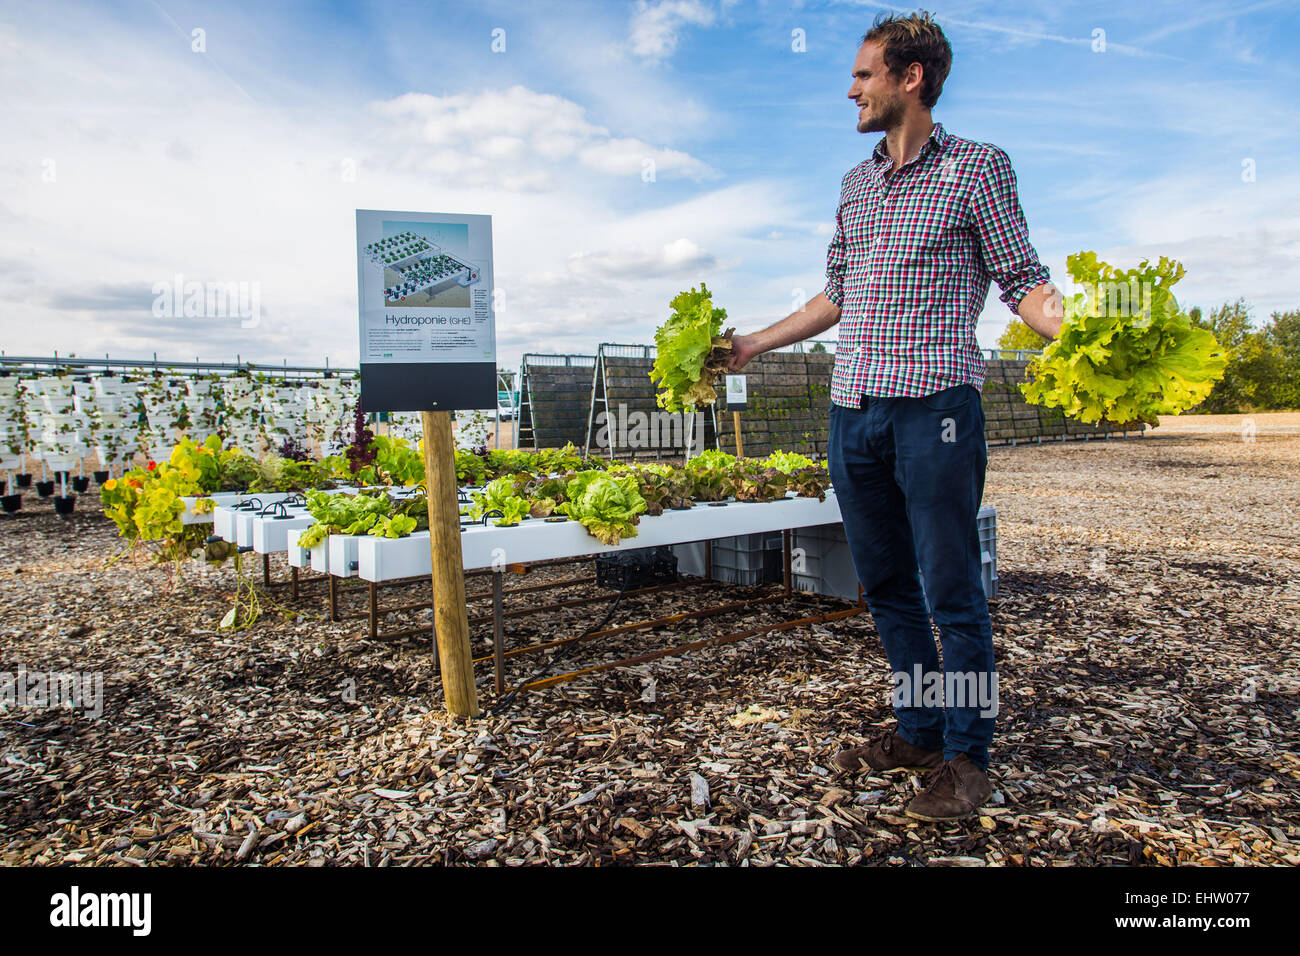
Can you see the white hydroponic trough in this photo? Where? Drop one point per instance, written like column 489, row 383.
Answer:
column 222, row 514
column 299, row 557
column 387, row 559
column 271, row 533
column 342, row 550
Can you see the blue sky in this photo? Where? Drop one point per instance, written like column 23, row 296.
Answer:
column 131, row 157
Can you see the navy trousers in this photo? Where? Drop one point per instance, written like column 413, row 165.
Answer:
column 909, row 477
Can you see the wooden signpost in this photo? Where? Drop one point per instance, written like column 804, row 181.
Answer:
column 428, row 344
column 450, row 617
column 737, row 401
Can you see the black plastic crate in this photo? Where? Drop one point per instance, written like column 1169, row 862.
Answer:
column 640, row 568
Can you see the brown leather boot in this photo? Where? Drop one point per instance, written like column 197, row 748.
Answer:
column 885, row 753
column 952, row 792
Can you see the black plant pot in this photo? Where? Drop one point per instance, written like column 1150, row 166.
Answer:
column 101, row 477
column 23, row 481
column 2, row 487
column 80, row 485
column 45, row 488
column 61, row 476
column 11, row 503
column 64, row 504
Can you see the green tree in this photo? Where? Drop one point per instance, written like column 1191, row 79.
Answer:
column 818, row 348
column 1283, row 335
column 1255, row 376
column 1021, row 337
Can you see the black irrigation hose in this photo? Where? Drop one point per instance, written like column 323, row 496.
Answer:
column 618, row 599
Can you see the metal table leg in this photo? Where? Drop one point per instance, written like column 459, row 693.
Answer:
column 498, row 634
column 786, row 561
column 374, row 611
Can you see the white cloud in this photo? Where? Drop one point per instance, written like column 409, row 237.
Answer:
column 517, row 139
column 681, row 258
column 655, row 27
column 228, row 189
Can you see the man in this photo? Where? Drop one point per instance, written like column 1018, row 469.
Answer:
column 923, row 227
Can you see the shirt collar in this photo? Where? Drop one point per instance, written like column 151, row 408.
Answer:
column 937, row 140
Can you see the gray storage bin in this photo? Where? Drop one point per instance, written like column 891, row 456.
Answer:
column 823, row 564
column 744, row 559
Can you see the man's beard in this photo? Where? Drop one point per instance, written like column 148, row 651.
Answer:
column 886, row 118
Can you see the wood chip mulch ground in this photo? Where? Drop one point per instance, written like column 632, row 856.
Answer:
column 1149, row 691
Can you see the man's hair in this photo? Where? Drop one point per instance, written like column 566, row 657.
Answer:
column 914, row 39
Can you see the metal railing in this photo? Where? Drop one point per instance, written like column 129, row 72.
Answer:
column 579, row 361
column 32, row 363
column 627, row 351
column 1017, row 355
column 806, row 346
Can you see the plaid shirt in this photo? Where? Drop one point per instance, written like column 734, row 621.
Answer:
column 911, row 263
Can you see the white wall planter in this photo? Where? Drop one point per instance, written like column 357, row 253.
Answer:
column 59, row 462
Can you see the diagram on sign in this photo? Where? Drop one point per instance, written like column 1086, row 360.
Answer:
column 419, row 272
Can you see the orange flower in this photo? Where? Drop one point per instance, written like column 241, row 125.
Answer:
column 135, row 483
column 153, row 465
column 110, row 484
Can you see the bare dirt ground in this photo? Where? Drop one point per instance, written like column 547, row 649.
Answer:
column 1149, row 694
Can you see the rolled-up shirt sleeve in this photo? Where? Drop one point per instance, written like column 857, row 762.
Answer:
column 1003, row 233
column 836, row 257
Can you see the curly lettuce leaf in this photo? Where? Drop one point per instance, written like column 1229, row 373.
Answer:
column 607, row 506
column 1125, row 364
column 690, row 352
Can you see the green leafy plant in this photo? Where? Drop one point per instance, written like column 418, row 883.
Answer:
column 500, row 494
column 690, row 353
column 348, row 514
column 393, row 526
column 395, row 462
column 608, row 506
column 504, row 462
column 471, row 469
column 1125, row 368
column 547, row 487
column 146, row 503
column 811, row 482
column 712, row 475
column 753, row 482
column 541, row 507
column 552, row 461
column 786, row 462
column 662, row 486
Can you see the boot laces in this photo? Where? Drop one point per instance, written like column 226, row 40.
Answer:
column 946, row 773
